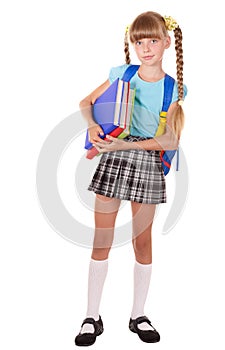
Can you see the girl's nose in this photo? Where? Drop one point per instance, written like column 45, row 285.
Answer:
column 146, row 48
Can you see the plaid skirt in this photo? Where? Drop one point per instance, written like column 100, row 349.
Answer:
column 135, row 175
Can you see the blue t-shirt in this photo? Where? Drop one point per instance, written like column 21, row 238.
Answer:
column 148, row 101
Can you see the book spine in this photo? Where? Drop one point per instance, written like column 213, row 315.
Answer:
column 119, row 97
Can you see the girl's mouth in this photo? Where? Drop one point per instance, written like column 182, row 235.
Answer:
column 148, row 57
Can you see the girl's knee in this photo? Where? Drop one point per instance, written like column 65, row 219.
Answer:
column 141, row 246
column 143, row 249
column 100, row 254
column 103, row 238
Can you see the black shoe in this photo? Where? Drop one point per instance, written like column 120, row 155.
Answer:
column 87, row 339
column 150, row 336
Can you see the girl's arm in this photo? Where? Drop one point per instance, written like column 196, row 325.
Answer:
column 86, row 109
column 167, row 141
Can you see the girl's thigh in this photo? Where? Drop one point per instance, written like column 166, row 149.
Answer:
column 142, row 218
column 106, row 210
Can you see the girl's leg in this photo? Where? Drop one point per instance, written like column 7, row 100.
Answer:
column 143, row 215
column 106, row 210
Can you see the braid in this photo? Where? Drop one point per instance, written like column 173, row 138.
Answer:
column 126, row 49
column 179, row 61
column 178, row 118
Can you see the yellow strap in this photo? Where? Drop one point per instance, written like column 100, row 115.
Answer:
column 163, row 114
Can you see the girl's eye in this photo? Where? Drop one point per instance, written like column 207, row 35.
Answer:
column 154, row 41
column 138, row 43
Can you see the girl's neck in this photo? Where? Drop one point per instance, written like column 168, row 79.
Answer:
column 150, row 74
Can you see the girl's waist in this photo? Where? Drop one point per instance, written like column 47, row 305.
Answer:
column 132, row 138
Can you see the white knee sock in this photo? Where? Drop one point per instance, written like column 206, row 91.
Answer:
column 97, row 273
column 142, row 276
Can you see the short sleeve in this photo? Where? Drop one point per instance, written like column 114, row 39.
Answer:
column 117, row 72
column 175, row 92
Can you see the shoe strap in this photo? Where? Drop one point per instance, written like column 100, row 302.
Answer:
column 89, row 320
column 142, row 319
column 92, row 321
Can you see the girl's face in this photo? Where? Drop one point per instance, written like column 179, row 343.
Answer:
column 150, row 51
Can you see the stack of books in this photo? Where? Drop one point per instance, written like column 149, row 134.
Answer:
column 113, row 112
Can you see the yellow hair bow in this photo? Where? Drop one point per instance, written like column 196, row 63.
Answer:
column 171, row 24
column 127, row 29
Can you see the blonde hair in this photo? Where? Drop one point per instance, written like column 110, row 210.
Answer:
column 152, row 25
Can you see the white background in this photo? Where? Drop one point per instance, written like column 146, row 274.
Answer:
column 53, row 53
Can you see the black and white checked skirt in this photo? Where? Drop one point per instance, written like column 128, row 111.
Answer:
column 134, row 175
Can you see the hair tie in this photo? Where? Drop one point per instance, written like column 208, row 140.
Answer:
column 171, row 24
column 127, row 29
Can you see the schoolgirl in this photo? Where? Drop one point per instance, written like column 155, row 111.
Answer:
column 130, row 169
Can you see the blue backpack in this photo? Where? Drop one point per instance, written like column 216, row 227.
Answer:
column 165, row 156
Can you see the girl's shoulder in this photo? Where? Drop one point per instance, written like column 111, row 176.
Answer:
column 117, row 72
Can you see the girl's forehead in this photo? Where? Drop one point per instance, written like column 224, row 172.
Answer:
column 150, row 38
column 149, row 34
column 147, row 37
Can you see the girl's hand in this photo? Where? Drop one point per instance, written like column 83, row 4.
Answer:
column 94, row 130
column 111, row 144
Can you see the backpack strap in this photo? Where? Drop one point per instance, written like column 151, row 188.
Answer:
column 130, row 71
column 167, row 98
column 168, row 92
column 167, row 156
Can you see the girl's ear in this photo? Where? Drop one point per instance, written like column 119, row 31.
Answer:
column 167, row 42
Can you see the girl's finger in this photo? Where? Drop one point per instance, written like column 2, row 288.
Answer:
column 111, row 138
column 102, row 143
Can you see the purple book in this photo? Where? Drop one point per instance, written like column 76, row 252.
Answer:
column 106, row 110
